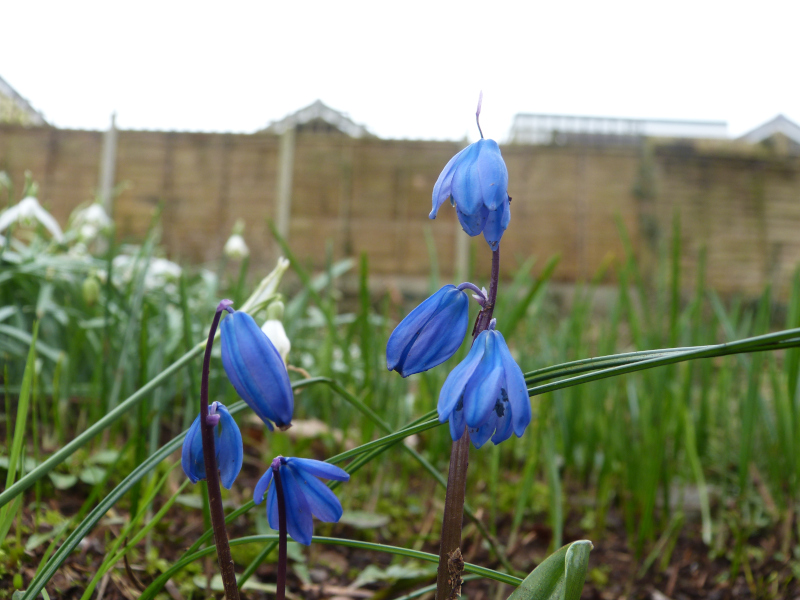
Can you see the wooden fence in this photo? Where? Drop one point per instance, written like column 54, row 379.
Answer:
column 741, row 205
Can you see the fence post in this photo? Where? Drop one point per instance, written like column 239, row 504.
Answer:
column 108, row 163
column 283, row 204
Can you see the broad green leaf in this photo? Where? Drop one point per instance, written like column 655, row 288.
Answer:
column 92, row 475
column 62, row 481
column 361, row 519
column 559, row 577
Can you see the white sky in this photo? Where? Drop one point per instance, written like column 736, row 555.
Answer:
column 403, row 69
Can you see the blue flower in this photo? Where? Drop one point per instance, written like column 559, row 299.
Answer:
column 304, row 495
column 227, row 447
column 476, row 183
column 430, row 334
column 486, row 392
column 256, row 370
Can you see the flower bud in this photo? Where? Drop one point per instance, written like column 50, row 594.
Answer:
column 430, row 334
column 256, row 370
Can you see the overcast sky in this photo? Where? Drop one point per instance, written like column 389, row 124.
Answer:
column 403, row 69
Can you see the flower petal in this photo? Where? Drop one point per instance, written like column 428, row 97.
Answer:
column 504, row 428
column 466, row 186
column 262, row 486
column 321, row 500
column 516, row 389
column 453, row 388
column 492, row 174
column 483, row 389
column 496, row 224
column 272, row 507
column 473, row 223
column 457, row 424
column 319, row 468
column 228, row 446
column 442, row 188
column 299, row 522
column 192, row 453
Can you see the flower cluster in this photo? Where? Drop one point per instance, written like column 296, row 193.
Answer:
column 258, row 372
column 486, row 393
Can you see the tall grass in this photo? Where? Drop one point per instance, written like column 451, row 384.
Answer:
column 723, row 429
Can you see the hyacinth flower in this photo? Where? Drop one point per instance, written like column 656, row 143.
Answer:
column 228, row 448
column 256, row 369
column 475, row 181
column 486, row 392
column 432, row 332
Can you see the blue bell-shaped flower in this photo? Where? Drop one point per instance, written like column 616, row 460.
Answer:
column 430, row 334
column 256, row 370
column 486, row 392
column 476, row 183
column 304, row 495
column 227, row 447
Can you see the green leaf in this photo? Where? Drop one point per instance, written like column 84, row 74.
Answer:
column 361, row 519
column 92, row 475
column 559, row 577
column 62, row 481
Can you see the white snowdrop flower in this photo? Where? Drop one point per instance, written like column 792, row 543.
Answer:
column 273, row 328
column 236, row 248
column 90, row 221
column 277, row 335
column 28, row 212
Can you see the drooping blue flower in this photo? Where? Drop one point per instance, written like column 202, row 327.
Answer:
column 476, row 183
column 256, row 370
column 304, row 495
column 486, row 392
column 430, row 334
column 227, row 447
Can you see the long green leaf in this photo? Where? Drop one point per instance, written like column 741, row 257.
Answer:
column 153, row 588
column 9, row 512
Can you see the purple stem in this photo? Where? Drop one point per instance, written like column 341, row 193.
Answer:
column 471, row 286
column 281, row 583
column 451, row 564
column 212, row 472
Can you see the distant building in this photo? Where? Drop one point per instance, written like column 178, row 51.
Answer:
column 15, row 109
column 777, row 133
column 319, row 118
column 605, row 131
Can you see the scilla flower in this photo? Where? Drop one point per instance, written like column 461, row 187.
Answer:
column 475, row 181
column 256, row 369
column 304, row 495
column 227, row 447
column 431, row 333
column 486, row 392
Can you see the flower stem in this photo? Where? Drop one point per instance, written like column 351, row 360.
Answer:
column 281, row 583
column 212, row 472
column 451, row 563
